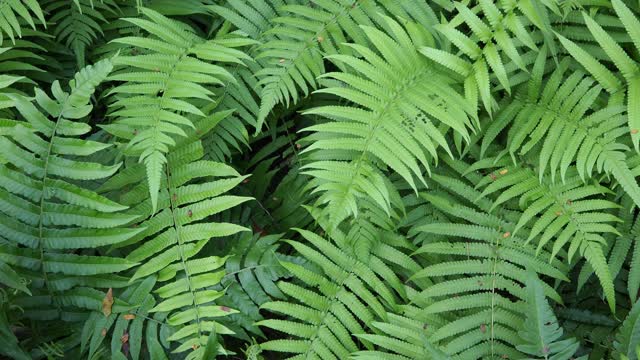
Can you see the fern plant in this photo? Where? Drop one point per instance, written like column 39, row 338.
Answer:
column 45, row 213
column 165, row 76
column 322, row 179
column 168, row 246
column 393, row 129
column 14, row 11
column 348, row 293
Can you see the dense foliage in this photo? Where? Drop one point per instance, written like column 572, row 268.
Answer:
column 319, row 179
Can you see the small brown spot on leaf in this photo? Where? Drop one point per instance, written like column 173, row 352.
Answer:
column 483, row 328
column 107, row 302
column 125, row 337
column 493, row 176
column 504, row 171
column 634, row 131
column 129, row 316
column 506, row 235
column 103, row 333
column 225, row 309
column 189, row 213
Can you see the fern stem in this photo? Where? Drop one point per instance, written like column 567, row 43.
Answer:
column 250, row 268
column 183, row 259
column 493, row 295
column 45, row 176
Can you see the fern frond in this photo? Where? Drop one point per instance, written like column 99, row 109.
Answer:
column 572, row 213
column 485, row 47
column 627, row 338
column 46, row 210
column 558, row 120
column 164, row 75
column 394, row 129
column 12, row 12
column 78, row 25
column 169, row 248
column 296, row 37
column 541, row 334
column 478, row 279
column 343, row 294
column 628, row 67
column 252, row 273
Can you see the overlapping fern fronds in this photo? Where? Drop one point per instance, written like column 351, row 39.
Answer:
column 169, row 247
column 162, row 77
column 346, row 294
column 323, row 179
column 405, row 106
column 46, row 214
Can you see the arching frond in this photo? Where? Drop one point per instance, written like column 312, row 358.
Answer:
column 347, row 297
column 395, row 129
column 479, row 279
column 573, row 213
column 162, row 77
column 555, row 122
column 169, row 247
column 626, row 65
column 299, row 36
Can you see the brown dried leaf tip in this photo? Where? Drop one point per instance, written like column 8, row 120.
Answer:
column 107, row 303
